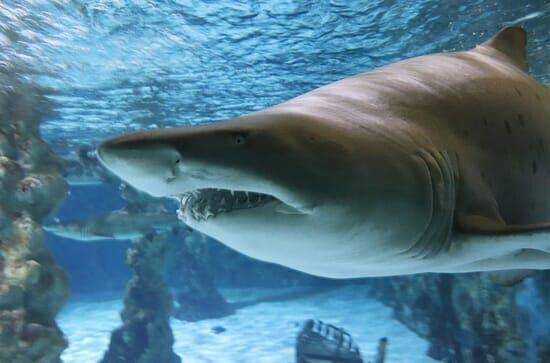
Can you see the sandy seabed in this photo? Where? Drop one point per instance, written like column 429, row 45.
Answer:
column 261, row 333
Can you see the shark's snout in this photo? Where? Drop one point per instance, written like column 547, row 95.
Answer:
column 147, row 166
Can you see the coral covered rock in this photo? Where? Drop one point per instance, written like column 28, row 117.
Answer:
column 198, row 298
column 32, row 287
column 467, row 318
column 145, row 336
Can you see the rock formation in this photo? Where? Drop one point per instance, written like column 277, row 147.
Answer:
column 198, row 298
column 32, row 287
column 145, row 336
column 468, row 319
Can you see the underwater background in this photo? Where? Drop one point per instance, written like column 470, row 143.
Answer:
column 76, row 72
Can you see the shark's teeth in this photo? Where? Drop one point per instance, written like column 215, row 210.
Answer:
column 204, row 204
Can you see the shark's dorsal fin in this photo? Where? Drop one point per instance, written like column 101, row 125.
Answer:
column 512, row 42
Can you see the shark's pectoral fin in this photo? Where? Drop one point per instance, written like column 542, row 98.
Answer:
column 512, row 42
column 478, row 223
column 510, row 278
column 478, row 211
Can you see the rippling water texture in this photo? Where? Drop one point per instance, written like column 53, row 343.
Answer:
column 116, row 66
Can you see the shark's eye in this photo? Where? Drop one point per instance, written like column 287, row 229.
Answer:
column 239, row 139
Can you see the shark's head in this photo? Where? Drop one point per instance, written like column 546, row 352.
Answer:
column 227, row 170
column 275, row 186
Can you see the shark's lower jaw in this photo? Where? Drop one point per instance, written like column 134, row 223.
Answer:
column 203, row 204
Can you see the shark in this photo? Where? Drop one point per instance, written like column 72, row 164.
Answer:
column 122, row 224
column 438, row 163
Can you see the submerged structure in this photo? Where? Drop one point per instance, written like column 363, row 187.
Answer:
column 318, row 341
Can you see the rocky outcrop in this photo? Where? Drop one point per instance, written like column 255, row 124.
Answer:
column 145, row 336
column 467, row 318
column 32, row 287
column 197, row 296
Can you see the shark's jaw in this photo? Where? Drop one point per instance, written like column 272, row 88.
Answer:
column 206, row 204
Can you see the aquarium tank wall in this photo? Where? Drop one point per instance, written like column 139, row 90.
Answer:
column 349, row 181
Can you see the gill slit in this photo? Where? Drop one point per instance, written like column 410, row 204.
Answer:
column 443, row 175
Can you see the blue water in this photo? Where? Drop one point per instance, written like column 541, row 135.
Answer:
column 116, row 66
column 110, row 67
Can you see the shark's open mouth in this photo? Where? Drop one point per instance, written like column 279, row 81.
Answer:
column 206, row 203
